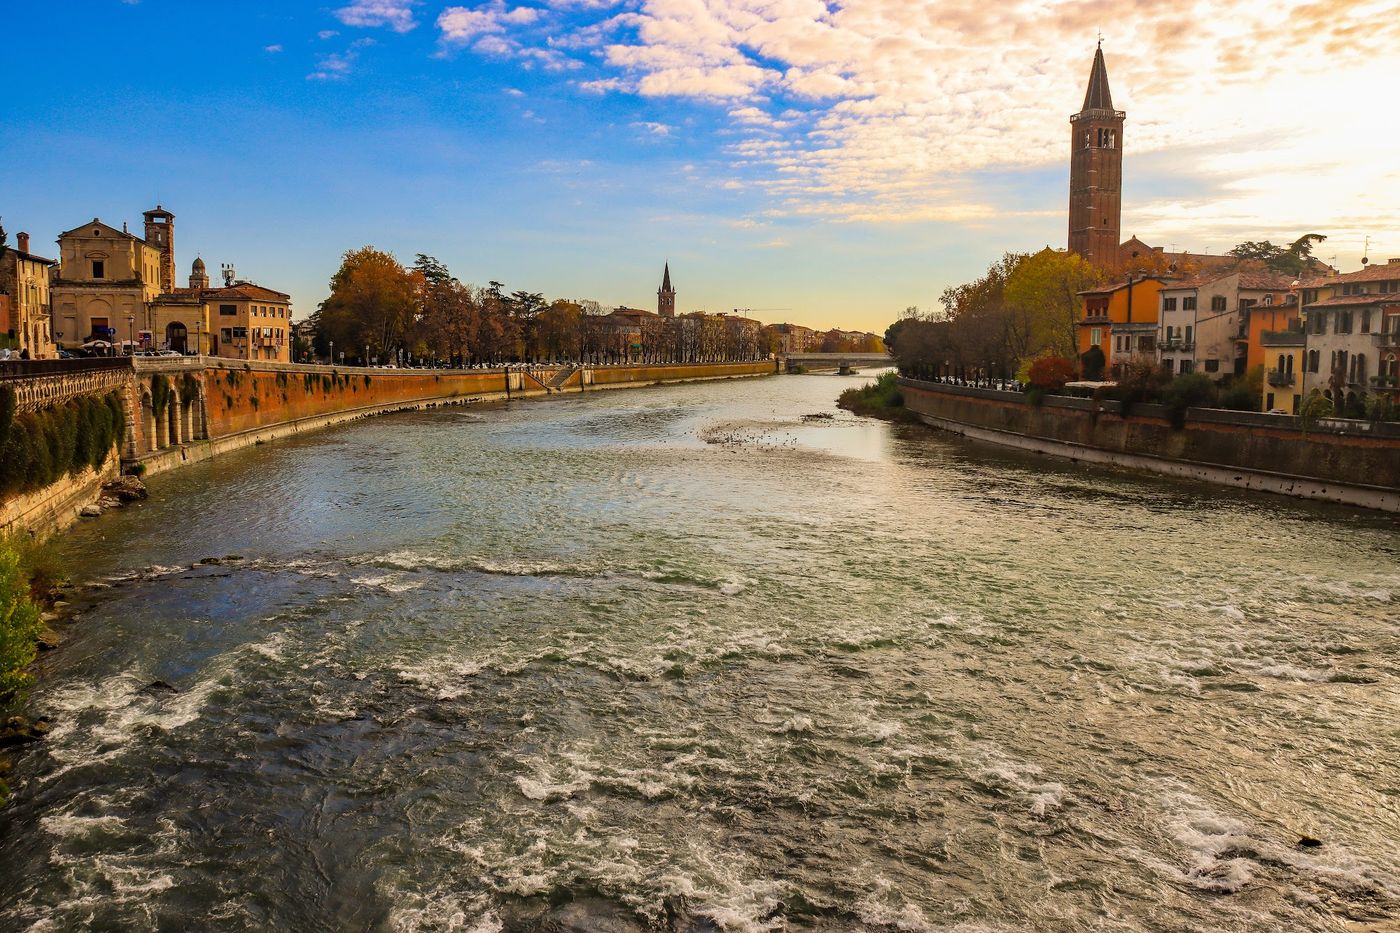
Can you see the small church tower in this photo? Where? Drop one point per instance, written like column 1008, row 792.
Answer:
column 160, row 233
column 666, row 295
column 199, row 275
column 1096, row 172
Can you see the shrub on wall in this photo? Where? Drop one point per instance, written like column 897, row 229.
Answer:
column 1191, row 390
column 38, row 448
column 19, row 623
column 1050, row 373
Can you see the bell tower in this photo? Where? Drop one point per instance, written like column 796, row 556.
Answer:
column 160, row 233
column 1096, row 172
column 666, row 295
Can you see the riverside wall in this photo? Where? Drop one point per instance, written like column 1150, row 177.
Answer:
column 1337, row 460
column 185, row 409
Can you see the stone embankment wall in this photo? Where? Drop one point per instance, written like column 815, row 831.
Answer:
column 1354, row 462
column 183, row 409
column 186, row 409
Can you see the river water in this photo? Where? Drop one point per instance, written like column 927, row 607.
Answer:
column 677, row 658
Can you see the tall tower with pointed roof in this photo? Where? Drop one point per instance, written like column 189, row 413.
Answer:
column 666, row 295
column 1096, row 172
column 160, row 233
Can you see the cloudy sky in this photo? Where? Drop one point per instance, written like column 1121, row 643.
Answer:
column 828, row 162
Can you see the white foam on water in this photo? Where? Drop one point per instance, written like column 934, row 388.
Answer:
column 1018, row 779
column 124, row 709
column 66, row 825
column 885, row 908
column 440, row 911
column 794, row 724
column 389, row 583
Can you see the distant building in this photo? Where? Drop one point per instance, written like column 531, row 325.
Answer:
column 1121, row 320
column 666, row 295
column 106, row 279
column 24, row 301
column 794, row 338
column 115, row 286
column 1353, row 332
column 1096, row 171
column 1204, row 320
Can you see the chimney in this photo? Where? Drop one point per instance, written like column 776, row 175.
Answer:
column 1388, row 262
column 22, row 242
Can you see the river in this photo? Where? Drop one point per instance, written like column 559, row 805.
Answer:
column 682, row 658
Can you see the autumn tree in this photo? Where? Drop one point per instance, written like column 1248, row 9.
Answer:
column 1042, row 300
column 371, row 304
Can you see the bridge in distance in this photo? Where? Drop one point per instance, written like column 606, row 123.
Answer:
column 841, row 362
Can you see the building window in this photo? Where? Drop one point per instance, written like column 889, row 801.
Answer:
column 226, row 334
column 1309, row 295
column 228, row 310
column 1096, row 336
column 1343, row 322
column 99, row 269
column 1188, row 335
column 1389, row 288
column 1168, row 304
column 1313, row 360
column 1188, row 304
column 1217, row 303
column 1366, row 321
column 1212, row 366
column 1318, row 322
column 1187, row 366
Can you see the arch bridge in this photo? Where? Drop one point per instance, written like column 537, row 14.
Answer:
column 844, row 363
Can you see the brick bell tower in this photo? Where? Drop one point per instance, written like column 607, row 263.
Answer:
column 160, row 233
column 666, row 295
column 1096, row 172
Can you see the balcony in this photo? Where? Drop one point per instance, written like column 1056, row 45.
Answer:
column 1386, row 340
column 1282, row 338
column 1095, row 317
column 1278, row 378
column 1177, row 344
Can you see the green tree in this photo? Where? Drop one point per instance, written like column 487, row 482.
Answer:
column 1042, row 296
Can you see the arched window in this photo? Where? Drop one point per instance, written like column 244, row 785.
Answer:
column 1280, row 362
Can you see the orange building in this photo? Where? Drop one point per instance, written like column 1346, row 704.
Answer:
column 1121, row 320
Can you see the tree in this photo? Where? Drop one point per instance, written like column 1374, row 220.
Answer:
column 1050, row 373
column 1042, row 294
column 1294, row 259
column 1092, row 363
column 371, row 304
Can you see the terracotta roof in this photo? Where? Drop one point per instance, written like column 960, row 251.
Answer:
column 1110, row 289
column 30, row 256
column 1379, row 272
column 1266, row 281
column 1342, row 301
column 246, row 290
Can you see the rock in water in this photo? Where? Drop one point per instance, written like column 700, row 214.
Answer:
column 127, row 489
column 1308, row 842
column 90, row 511
column 159, row 687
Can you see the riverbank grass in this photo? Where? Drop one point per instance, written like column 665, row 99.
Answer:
column 880, row 399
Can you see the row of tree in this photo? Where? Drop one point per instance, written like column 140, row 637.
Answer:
column 1027, row 305
column 380, row 310
column 1024, row 306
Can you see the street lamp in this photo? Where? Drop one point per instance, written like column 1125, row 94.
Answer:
column 332, row 343
column 131, row 334
column 366, row 354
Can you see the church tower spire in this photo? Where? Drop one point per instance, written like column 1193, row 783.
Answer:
column 1096, row 172
column 666, row 295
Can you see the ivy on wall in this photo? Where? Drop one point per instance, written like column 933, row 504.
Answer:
column 39, row 448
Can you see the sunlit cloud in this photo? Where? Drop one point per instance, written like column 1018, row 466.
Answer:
column 884, row 110
column 395, row 14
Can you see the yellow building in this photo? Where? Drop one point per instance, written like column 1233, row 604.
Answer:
column 250, row 322
column 106, row 278
column 118, row 287
column 24, row 302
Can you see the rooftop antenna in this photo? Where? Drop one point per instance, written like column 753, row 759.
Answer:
column 1366, row 252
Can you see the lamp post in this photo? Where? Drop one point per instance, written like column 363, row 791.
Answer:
column 198, row 338
column 366, row 355
column 131, row 334
column 332, row 343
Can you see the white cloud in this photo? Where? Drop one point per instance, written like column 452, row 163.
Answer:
column 272, row 49
column 325, row 34
column 396, row 14
column 459, row 24
column 653, row 128
column 333, row 67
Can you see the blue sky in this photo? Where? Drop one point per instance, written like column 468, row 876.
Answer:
column 821, row 162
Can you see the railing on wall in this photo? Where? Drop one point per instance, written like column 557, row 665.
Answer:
column 40, row 384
